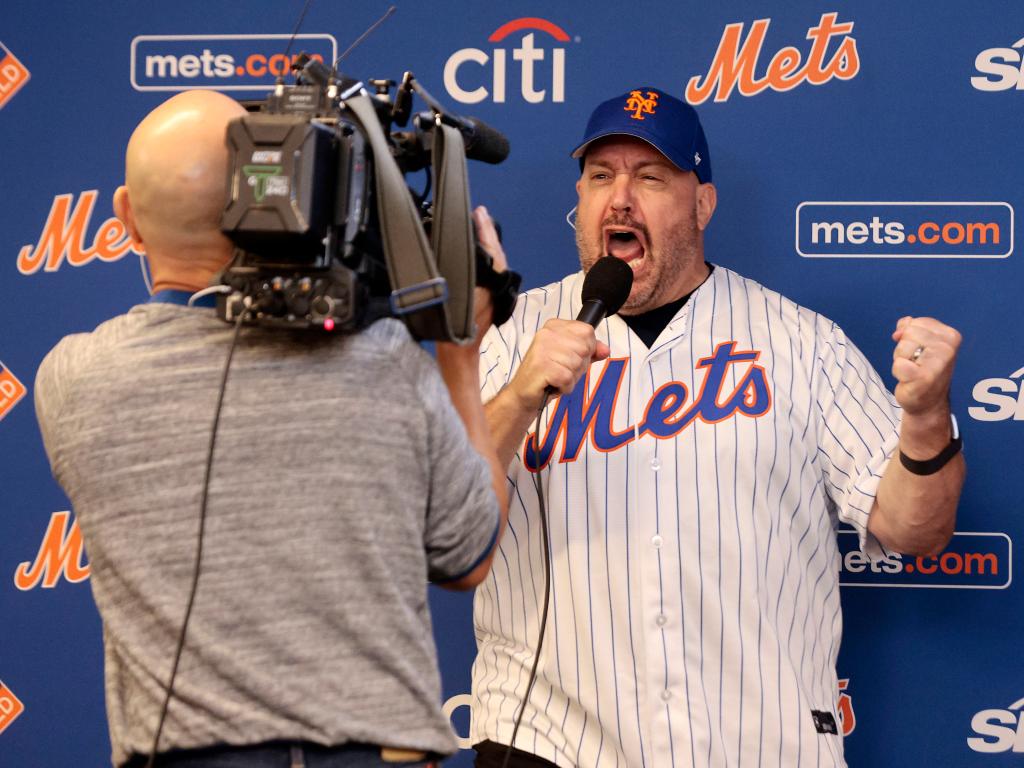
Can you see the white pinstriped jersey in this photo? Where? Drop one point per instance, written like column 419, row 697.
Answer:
column 693, row 493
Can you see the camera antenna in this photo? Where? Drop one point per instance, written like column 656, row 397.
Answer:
column 298, row 25
column 363, row 36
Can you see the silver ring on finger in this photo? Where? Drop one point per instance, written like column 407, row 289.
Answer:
column 917, row 354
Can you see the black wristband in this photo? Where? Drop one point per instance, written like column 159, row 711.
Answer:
column 933, row 465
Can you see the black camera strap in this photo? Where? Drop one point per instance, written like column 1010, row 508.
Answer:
column 432, row 290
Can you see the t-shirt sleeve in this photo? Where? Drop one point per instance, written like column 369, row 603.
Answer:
column 857, row 432
column 462, row 515
column 52, row 385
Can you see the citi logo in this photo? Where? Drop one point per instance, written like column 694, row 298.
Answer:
column 1001, row 399
column 1002, row 69
column 736, row 61
column 64, row 237
column 10, row 707
column 60, row 555
column 999, row 730
column 11, row 390
column 13, row 75
column 541, row 72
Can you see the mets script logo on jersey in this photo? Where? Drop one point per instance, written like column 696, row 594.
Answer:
column 63, row 237
column 224, row 62
column 587, row 414
column 10, row 707
column 736, row 61
column 999, row 730
column 11, row 390
column 999, row 399
column 458, row 81
column 13, row 75
column 60, row 554
column 639, row 106
column 1002, row 69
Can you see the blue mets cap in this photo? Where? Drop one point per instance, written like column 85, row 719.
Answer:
column 669, row 125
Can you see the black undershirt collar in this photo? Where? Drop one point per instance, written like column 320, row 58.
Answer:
column 649, row 325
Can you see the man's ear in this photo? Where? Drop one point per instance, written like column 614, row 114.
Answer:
column 123, row 211
column 707, row 199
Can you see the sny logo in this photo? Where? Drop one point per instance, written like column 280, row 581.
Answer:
column 640, row 106
column 13, row 75
column 527, row 54
column 999, row 730
column 734, row 64
column 1004, row 64
column 1001, row 399
column 582, row 412
column 10, row 707
column 11, row 390
column 63, row 236
column 60, row 554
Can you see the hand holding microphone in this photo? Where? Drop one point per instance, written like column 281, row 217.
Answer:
column 563, row 350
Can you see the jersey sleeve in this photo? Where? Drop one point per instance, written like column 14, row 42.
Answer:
column 496, row 353
column 858, row 430
column 462, row 511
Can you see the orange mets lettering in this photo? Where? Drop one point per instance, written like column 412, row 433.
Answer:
column 10, row 707
column 63, row 236
column 581, row 415
column 640, row 106
column 59, row 554
column 847, row 719
column 736, row 60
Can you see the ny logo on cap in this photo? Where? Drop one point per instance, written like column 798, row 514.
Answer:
column 640, row 106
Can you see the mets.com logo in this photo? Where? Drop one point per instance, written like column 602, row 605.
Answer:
column 472, row 75
column 224, row 62
column 904, row 230
column 970, row 561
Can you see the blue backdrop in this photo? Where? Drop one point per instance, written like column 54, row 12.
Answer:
column 867, row 156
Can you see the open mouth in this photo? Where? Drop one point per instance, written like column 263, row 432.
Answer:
column 625, row 243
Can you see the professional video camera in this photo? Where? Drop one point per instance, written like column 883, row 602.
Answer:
column 329, row 235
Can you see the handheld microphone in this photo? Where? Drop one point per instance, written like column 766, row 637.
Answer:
column 605, row 289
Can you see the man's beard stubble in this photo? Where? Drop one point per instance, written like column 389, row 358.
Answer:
column 680, row 252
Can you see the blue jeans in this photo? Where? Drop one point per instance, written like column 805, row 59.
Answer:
column 277, row 754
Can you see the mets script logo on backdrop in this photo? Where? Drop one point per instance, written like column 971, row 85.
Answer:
column 64, row 237
column 970, row 561
column 899, row 230
column 587, row 412
column 469, row 71
column 847, row 719
column 999, row 730
column 60, row 555
column 13, row 75
column 10, row 707
column 224, row 62
column 1002, row 69
column 11, row 390
column 737, row 59
column 1000, row 399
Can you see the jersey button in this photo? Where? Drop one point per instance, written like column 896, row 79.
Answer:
column 655, row 463
column 656, row 541
column 666, row 695
column 661, row 620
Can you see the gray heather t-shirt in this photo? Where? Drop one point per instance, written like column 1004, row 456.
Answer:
column 342, row 480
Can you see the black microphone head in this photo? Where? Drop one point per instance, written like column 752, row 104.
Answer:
column 484, row 142
column 608, row 281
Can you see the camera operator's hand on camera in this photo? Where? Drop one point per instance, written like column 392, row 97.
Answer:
column 487, row 236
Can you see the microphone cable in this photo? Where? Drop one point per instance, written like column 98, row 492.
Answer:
column 542, row 508
column 199, row 545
